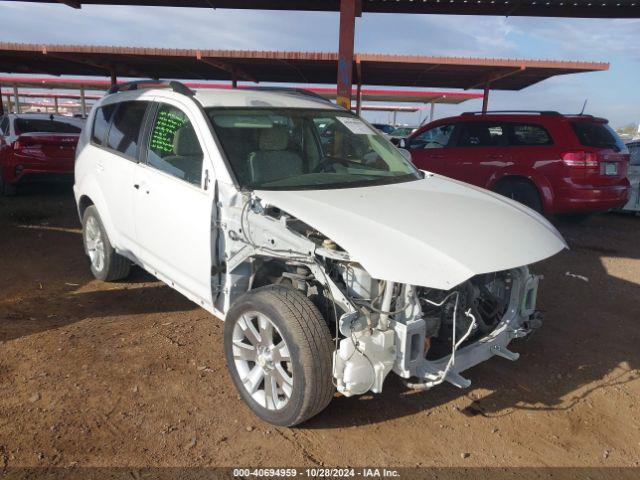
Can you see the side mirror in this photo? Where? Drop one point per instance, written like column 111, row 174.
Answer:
column 405, row 153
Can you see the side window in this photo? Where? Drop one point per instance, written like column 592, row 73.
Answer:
column 4, row 126
column 529, row 134
column 174, row 146
column 437, row 137
column 479, row 134
column 101, row 123
column 124, row 133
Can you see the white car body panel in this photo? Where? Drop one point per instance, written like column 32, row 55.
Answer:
column 173, row 222
column 434, row 232
column 216, row 241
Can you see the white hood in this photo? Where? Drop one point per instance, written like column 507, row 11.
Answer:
column 434, row 232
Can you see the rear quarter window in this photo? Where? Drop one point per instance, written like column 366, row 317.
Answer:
column 40, row 125
column 598, row 135
column 529, row 134
column 4, row 126
column 101, row 122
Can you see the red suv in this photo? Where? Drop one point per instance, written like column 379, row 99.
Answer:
column 36, row 148
column 553, row 163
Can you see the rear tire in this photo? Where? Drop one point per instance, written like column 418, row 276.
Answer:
column 521, row 191
column 287, row 388
column 106, row 264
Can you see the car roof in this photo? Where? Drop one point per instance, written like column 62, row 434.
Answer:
column 40, row 116
column 542, row 116
column 241, row 97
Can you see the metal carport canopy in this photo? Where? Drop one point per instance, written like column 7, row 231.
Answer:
column 350, row 9
column 367, row 94
column 534, row 8
column 287, row 67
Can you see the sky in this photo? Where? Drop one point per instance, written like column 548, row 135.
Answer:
column 613, row 94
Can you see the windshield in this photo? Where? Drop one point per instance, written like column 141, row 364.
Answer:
column 596, row 134
column 402, row 131
column 293, row 149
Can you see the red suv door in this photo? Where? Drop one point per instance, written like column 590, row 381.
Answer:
column 431, row 149
column 480, row 148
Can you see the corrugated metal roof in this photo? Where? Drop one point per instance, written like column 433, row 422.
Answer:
column 535, row 8
column 280, row 66
column 368, row 94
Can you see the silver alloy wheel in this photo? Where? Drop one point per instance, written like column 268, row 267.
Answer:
column 95, row 243
column 263, row 361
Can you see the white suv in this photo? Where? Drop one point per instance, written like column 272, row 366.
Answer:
column 331, row 258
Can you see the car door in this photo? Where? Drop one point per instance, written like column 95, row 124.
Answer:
column 174, row 201
column 430, row 149
column 481, row 148
column 116, row 132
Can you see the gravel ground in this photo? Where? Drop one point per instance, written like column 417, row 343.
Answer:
column 132, row 374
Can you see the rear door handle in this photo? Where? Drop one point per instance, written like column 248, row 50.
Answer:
column 136, row 186
column 100, row 167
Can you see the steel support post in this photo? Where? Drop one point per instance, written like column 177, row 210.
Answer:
column 349, row 10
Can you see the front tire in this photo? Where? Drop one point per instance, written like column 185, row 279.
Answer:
column 522, row 191
column 106, row 264
column 7, row 189
column 278, row 351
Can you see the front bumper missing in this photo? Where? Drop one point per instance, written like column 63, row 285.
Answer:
column 519, row 321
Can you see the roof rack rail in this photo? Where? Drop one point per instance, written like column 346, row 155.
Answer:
column 538, row 112
column 291, row 90
column 177, row 87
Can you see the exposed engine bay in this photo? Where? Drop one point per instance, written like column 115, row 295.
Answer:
column 425, row 335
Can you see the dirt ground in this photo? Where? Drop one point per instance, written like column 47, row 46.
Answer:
column 132, row 374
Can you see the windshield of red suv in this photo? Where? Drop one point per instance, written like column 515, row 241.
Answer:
column 306, row 149
column 597, row 134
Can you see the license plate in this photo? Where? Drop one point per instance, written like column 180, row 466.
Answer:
column 610, row 168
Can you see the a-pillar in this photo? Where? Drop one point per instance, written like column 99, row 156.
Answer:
column 485, row 98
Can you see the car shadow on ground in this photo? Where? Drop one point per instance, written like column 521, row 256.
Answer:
column 589, row 340
column 46, row 279
column 36, row 314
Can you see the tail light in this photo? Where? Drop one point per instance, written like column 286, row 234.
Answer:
column 580, row 159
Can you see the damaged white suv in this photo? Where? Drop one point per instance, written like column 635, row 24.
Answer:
column 331, row 258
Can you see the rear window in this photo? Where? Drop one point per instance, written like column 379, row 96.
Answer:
column 529, row 134
column 599, row 135
column 40, row 125
column 125, row 129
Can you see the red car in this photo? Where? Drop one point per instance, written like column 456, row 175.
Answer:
column 553, row 163
column 36, row 148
